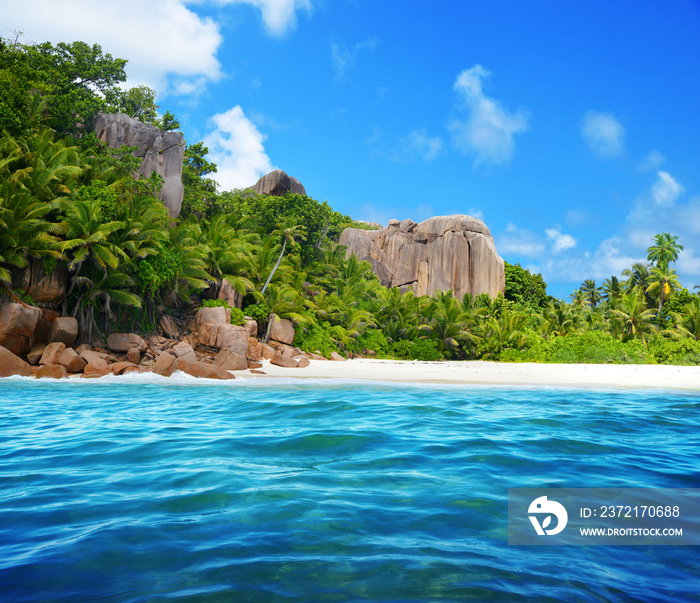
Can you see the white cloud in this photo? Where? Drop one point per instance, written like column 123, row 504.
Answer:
column 488, row 129
column 560, row 241
column 664, row 193
column 419, row 144
column 168, row 46
column 475, row 212
column 344, row 58
column 653, row 161
column 666, row 190
column 603, row 133
column 278, row 15
column 519, row 242
column 236, row 146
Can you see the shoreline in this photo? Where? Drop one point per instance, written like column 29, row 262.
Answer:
column 480, row 372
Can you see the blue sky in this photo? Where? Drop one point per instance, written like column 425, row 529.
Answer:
column 571, row 129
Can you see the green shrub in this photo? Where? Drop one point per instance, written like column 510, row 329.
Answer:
column 316, row 337
column 420, row 349
column 597, row 347
column 675, row 351
column 259, row 312
column 373, row 339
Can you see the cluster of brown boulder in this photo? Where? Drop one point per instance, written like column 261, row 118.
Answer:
column 213, row 349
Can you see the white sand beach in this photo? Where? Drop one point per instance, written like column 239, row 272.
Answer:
column 480, row 372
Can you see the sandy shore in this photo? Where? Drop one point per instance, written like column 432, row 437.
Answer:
column 479, row 372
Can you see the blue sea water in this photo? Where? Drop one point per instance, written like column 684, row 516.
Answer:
column 133, row 490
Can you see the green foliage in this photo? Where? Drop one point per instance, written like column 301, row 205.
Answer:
column 258, row 312
column 317, row 337
column 268, row 213
column 675, row 351
column 590, row 347
column 160, row 271
column 417, row 349
column 376, row 340
column 525, row 288
column 75, row 80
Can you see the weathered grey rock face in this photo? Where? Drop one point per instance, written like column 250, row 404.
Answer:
column 278, row 183
column 162, row 152
column 438, row 254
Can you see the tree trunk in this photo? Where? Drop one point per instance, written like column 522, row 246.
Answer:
column 279, row 259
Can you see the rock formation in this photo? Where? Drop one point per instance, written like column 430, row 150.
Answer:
column 162, row 152
column 439, row 254
column 278, row 183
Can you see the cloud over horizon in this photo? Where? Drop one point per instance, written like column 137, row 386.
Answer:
column 488, row 129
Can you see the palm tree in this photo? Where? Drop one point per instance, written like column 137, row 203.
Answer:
column 688, row 321
column 635, row 316
column 639, row 277
column 229, row 255
column 591, row 293
column 288, row 236
column 665, row 250
column 612, row 291
column 24, row 231
column 447, row 320
column 578, row 298
column 663, row 281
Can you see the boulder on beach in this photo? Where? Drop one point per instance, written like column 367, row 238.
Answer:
column 11, row 364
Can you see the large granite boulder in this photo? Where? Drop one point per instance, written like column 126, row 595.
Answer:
column 17, row 324
column 44, row 287
column 438, row 254
column 11, row 364
column 278, row 183
column 162, row 152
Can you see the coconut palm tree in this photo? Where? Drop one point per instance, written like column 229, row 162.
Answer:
column 591, row 292
column 665, row 250
column 688, row 321
column 288, row 234
column 612, row 291
column 635, row 316
column 663, row 281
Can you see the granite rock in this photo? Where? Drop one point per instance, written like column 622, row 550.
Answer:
column 439, row 254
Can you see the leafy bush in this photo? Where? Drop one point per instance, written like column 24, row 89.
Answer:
column 373, row 339
column 419, row 349
column 597, row 347
column 316, row 337
column 675, row 351
column 258, row 312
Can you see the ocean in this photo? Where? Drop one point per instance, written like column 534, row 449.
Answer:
column 138, row 489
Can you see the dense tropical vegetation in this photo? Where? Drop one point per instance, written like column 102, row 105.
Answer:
column 67, row 200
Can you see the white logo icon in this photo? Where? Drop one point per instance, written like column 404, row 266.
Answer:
column 542, row 506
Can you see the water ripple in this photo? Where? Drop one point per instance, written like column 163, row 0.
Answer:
column 147, row 490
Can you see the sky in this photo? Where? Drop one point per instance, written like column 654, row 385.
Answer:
column 572, row 129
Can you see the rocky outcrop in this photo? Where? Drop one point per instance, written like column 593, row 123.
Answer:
column 162, row 152
column 17, row 324
column 278, row 183
column 44, row 287
column 439, row 254
column 281, row 329
column 11, row 364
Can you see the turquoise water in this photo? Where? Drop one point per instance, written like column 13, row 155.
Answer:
column 137, row 490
